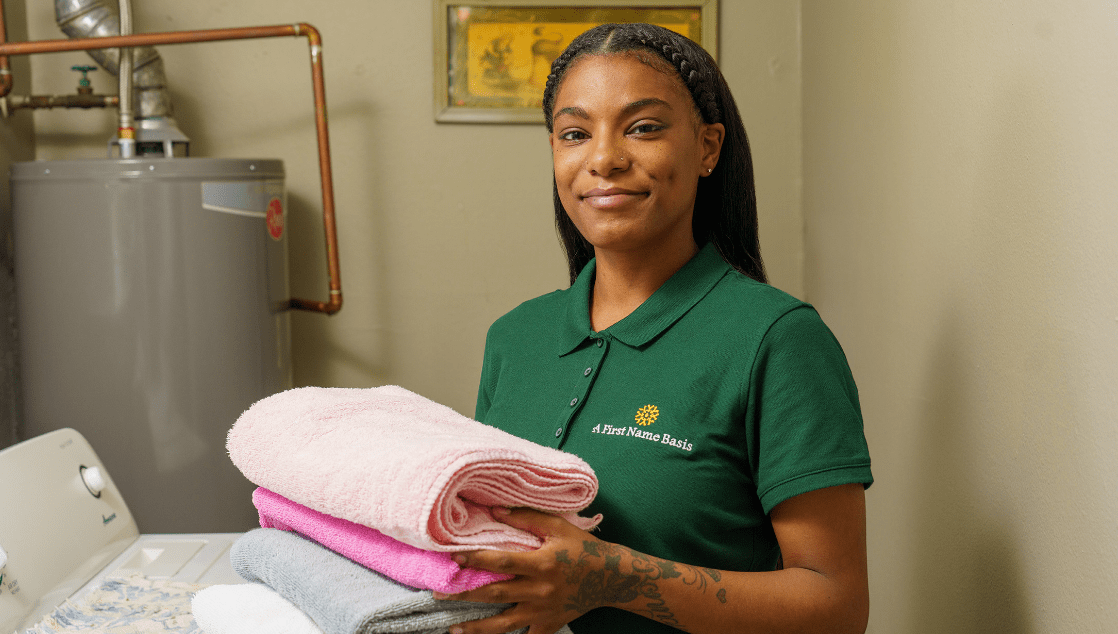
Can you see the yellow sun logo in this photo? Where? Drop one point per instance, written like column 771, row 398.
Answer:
column 647, row 415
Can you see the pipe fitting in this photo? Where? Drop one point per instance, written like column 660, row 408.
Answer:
column 101, row 18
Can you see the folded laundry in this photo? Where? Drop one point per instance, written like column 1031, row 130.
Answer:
column 124, row 604
column 411, row 566
column 341, row 596
column 411, row 468
column 247, row 608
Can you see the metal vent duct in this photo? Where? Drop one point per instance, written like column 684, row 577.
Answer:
column 101, row 18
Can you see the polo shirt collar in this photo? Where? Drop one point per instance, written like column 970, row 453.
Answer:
column 675, row 297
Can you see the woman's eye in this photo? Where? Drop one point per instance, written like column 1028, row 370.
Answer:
column 646, row 128
column 573, row 135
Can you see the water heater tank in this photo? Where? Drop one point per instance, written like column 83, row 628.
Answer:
column 152, row 310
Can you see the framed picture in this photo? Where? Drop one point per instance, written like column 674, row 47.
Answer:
column 492, row 57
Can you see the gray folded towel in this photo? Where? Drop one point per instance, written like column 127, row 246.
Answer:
column 344, row 597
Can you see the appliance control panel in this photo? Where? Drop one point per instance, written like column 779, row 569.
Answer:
column 62, row 520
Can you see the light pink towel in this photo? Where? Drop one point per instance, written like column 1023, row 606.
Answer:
column 423, row 569
column 413, row 469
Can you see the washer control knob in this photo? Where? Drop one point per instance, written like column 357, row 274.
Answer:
column 94, row 480
column 3, row 558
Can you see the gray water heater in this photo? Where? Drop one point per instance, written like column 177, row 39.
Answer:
column 152, row 299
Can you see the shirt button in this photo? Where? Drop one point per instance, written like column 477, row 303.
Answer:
column 574, row 401
column 599, row 343
column 559, row 432
column 587, row 371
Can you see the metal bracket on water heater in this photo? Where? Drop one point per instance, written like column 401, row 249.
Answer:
column 155, row 137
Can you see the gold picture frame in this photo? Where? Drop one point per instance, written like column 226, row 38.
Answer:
column 492, row 57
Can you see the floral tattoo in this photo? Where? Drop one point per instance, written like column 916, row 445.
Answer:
column 609, row 584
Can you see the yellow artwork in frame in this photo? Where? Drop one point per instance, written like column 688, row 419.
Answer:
column 492, row 57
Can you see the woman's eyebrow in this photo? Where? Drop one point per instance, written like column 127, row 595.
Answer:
column 572, row 110
column 642, row 103
column 636, row 105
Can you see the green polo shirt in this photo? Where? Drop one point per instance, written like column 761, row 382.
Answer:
column 715, row 400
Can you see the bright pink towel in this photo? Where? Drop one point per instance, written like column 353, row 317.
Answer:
column 423, row 569
column 413, row 469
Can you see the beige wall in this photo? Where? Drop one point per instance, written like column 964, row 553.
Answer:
column 443, row 227
column 961, row 204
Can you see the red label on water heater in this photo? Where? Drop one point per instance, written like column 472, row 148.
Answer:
column 275, row 219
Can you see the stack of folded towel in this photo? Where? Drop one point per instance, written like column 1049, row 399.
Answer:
column 364, row 496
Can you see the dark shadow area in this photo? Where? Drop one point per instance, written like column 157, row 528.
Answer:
column 16, row 144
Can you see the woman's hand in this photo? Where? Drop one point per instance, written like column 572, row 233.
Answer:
column 822, row 588
column 546, row 589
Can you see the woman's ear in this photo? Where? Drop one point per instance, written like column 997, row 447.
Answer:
column 710, row 144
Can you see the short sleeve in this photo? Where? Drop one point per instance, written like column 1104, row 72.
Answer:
column 485, row 385
column 806, row 421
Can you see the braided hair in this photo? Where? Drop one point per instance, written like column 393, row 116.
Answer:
column 725, row 204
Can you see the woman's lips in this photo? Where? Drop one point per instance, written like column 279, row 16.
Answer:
column 610, row 198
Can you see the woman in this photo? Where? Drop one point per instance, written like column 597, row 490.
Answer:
column 718, row 413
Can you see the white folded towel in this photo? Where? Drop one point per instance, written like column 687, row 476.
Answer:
column 248, row 608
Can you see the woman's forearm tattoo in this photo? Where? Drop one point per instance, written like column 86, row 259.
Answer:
column 608, row 584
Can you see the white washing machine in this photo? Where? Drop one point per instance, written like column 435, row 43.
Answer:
column 64, row 529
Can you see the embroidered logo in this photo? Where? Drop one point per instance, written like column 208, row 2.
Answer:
column 647, row 415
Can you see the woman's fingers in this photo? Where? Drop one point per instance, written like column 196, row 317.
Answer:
column 541, row 577
column 548, row 527
column 511, row 591
column 503, row 561
column 556, row 532
column 540, row 524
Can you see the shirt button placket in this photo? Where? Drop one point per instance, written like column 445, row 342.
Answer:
column 584, row 388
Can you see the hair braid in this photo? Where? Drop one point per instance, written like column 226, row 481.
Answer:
column 697, row 82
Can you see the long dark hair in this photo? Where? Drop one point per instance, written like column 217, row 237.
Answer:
column 725, row 203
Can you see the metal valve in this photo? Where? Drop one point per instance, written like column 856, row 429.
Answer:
column 84, row 87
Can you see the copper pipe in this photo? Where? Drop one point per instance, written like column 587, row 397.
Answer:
column 6, row 79
column 168, row 37
column 314, row 39
column 15, row 102
column 335, row 301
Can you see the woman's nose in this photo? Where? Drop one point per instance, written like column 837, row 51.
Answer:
column 605, row 157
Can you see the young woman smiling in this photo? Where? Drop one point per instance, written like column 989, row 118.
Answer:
column 629, row 149
column 718, row 412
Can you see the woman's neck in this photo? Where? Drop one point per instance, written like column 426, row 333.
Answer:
column 623, row 281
